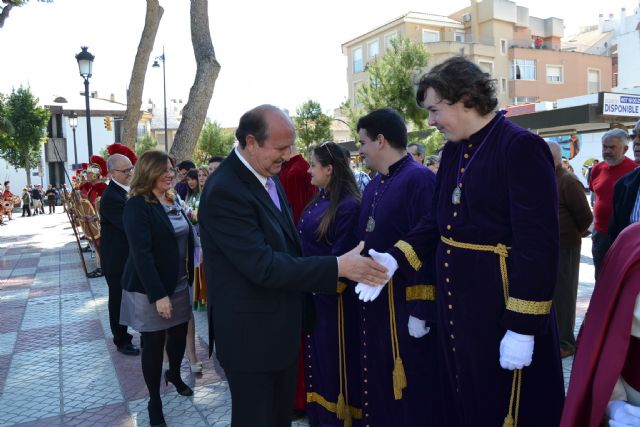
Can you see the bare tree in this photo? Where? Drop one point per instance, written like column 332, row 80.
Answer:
column 10, row 4
column 136, row 84
column 208, row 68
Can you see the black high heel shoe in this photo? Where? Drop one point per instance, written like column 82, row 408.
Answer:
column 156, row 417
column 181, row 387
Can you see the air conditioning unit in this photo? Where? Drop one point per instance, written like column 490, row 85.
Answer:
column 466, row 17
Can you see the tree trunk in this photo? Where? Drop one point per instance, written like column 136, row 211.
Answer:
column 27, row 168
column 208, row 68
column 136, row 84
column 5, row 13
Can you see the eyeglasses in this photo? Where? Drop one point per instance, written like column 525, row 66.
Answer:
column 171, row 171
column 127, row 170
column 324, row 144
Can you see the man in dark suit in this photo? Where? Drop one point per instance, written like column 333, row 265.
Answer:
column 626, row 199
column 258, row 279
column 114, row 248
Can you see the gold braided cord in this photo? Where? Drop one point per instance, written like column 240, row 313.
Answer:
column 313, row 397
column 528, row 307
column 420, row 293
column 341, row 407
column 410, row 254
column 503, row 252
column 399, row 377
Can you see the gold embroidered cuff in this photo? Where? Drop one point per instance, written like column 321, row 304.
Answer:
column 313, row 397
column 410, row 254
column 528, row 307
column 341, row 287
column 421, row 293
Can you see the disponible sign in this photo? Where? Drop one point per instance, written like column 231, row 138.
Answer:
column 616, row 104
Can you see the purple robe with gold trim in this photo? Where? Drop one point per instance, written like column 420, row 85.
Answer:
column 397, row 202
column 322, row 352
column 508, row 197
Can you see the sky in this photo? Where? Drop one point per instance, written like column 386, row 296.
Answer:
column 281, row 52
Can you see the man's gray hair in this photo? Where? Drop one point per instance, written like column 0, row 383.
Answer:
column 616, row 134
column 113, row 159
column 556, row 152
column 419, row 147
column 432, row 160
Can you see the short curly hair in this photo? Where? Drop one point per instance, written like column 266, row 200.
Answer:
column 458, row 79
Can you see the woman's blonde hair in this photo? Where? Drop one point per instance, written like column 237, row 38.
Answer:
column 150, row 166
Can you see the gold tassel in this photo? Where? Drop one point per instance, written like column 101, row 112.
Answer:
column 508, row 421
column 348, row 420
column 341, row 410
column 399, row 378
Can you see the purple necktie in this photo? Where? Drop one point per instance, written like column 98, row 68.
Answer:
column 273, row 192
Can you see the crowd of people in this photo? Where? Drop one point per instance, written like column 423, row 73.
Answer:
column 437, row 291
column 32, row 200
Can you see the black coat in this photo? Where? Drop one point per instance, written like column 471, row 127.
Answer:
column 114, row 249
column 625, row 193
column 152, row 267
column 257, row 281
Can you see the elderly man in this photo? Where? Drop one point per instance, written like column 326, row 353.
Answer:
column 259, row 281
column 575, row 219
column 114, row 249
column 626, row 195
column 604, row 175
column 417, row 152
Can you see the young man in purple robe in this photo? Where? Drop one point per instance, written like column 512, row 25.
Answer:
column 494, row 230
column 397, row 330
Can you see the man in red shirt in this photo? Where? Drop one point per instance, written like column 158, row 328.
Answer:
column 604, row 175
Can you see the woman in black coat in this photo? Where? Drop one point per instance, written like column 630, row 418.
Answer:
column 157, row 274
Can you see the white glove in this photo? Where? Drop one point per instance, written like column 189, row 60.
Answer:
column 417, row 328
column 623, row 414
column 516, row 350
column 369, row 293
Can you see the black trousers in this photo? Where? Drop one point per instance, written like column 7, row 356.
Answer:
column 565, row 295
column 120, row 335
column 263, row 399
column 600, row 243
column 26, row 210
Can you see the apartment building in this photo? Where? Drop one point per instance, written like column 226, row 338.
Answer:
column 522, row 52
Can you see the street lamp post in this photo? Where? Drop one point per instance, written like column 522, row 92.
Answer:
column 85, row 63
column 164, row 87
column 73, row 122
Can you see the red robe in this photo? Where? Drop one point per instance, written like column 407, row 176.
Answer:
column 297, row 186
column 604, row 340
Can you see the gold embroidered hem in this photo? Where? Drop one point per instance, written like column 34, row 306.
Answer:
column 409, row 254
column 313, row 397
column 528, row 307
column 421, row 293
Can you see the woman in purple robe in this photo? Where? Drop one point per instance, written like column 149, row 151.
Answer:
column 327, row 227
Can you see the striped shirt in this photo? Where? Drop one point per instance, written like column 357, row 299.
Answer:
column 635, row 212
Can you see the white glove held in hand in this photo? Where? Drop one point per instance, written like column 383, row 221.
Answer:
column 417, row 328
column 369, row 293
column 623, row 414
column 516, row 350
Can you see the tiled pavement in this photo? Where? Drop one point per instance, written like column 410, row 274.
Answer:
column 58, row 365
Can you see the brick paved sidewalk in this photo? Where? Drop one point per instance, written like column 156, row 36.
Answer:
column 58, row 364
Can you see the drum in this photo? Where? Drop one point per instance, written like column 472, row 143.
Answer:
column 7, row 206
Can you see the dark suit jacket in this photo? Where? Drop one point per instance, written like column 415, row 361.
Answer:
column 256, row 278
column 114, row 249
column 152, row 267
column 625, row 193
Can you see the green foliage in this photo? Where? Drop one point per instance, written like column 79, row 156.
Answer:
column 434, row 142
column 214, row 140
column 352, row 114
column 24, row 128
column 312, row 125
column 146, row 143
column 392, row 78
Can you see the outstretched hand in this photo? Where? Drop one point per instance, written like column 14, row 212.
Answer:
column 360, row 269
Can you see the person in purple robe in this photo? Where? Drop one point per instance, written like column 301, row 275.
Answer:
column 494, row 230
column 327, row 227
column 396, row 331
